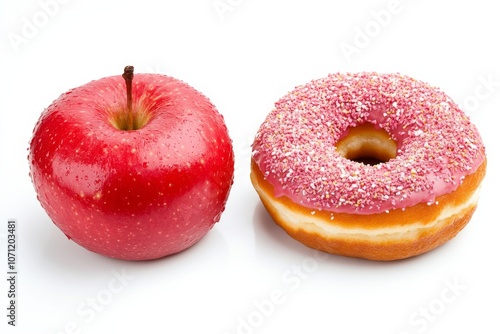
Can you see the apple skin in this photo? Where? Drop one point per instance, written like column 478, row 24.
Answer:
column 132, row 194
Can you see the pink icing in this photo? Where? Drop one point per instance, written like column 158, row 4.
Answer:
column 437, row 144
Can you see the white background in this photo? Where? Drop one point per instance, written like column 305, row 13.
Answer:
column 246, row 275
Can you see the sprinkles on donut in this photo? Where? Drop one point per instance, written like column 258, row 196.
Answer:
column 369, row 165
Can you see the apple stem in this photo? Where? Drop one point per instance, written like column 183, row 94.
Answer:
column 128, row 75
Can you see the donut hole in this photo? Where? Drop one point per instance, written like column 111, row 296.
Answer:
column 368, row 145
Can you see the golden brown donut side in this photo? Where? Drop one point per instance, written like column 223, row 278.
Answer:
column 383, row 236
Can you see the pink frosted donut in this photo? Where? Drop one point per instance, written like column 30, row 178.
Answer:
column 377, row 166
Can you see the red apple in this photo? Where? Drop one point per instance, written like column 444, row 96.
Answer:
column 134, row 170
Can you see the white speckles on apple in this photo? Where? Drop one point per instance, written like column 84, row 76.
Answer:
column 146, row 194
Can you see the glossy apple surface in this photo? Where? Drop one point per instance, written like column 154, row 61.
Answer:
column 134, row 194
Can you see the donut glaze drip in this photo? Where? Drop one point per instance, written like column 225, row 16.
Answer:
column 437, row 144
